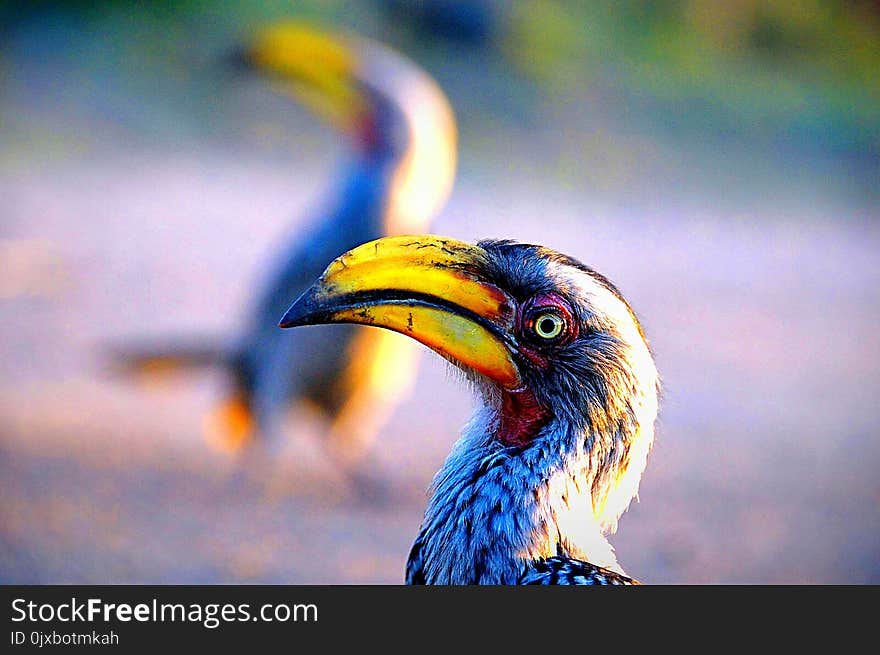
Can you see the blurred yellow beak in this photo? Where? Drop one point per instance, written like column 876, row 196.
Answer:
column 317, row 68
column 426, row 287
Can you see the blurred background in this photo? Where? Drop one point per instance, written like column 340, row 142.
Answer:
column 719, row 161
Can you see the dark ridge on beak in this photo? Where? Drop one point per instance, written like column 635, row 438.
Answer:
column 308, row 309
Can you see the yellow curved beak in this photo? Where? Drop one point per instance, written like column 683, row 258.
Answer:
column 427, row 287
column 317, row 68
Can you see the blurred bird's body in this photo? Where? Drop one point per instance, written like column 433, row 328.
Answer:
column 568, row 399
column 332, row 372
column 401, row 163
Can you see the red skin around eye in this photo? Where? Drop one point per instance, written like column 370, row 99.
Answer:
column 531, row 308
column 521, row 414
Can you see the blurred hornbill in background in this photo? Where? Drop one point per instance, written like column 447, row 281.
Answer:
column 569, row 396
column 402, row 136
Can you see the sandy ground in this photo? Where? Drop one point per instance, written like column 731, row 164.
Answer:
column 762, row 316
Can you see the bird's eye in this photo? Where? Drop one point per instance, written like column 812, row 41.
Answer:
column 548, row 325
column 548, row 321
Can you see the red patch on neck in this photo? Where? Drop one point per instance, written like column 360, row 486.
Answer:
column 521, row 417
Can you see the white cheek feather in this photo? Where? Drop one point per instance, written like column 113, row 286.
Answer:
column 609, row 311
column 579, row 530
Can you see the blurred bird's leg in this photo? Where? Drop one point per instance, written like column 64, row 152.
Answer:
column 234, row 430
column 250, row 433
column 381, row 373
column 230, row 427
column 248, row 420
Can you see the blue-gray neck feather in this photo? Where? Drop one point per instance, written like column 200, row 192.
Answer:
column 495, row 509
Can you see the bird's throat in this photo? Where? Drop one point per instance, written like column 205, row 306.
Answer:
column 522, row 416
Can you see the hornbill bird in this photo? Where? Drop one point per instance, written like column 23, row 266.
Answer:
column 568, row 394
column 402, row 136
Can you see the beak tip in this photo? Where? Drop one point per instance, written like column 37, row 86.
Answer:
column 288, row 320
column 302, row 312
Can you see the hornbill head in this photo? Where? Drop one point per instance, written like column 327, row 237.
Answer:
column 390, row 108
column 558, row 354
